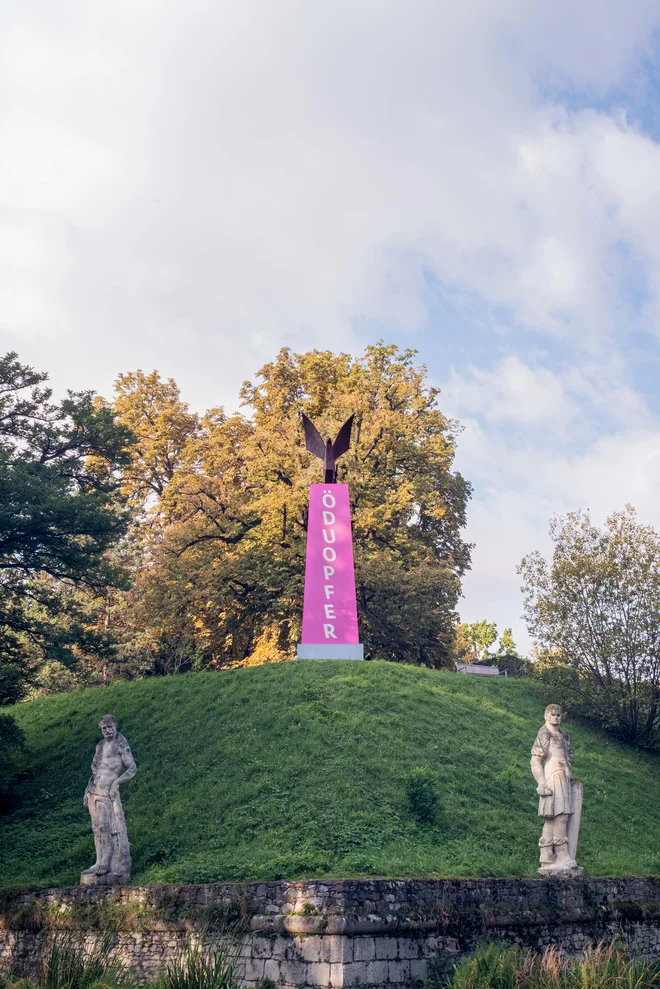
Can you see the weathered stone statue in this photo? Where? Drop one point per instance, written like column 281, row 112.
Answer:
column 113, row 764
column 560, row 796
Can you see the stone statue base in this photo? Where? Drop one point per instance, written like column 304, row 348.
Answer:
column 573, row 873
column 107, row 879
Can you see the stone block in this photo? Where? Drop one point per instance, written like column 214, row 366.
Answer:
column 337, row 976
column 419, row 969
column 397, row 972
column 377, row 972
column 279, row 948
column 295, row 972
column 364, row 949
column 408, row 947
column 338, row 949
column 386, row 947
column 272, row 969
column 262, row 947
column 310, row 947
column 355, row 973
column 319, row 973
column 292, row 951
column 254, row 969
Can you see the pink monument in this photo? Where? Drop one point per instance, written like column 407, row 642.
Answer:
column 330, row 629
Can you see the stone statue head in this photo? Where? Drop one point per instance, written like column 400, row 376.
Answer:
column 108, row 726
column 553, row 713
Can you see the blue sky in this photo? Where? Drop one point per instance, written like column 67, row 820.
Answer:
column 190, row 186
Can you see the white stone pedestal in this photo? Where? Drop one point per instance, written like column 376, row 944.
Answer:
column 328, row 650
column 107, row 879
column 573, row 873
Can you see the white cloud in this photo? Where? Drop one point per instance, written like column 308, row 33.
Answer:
column 512, row 392
column 520, row 484
column 255, row 173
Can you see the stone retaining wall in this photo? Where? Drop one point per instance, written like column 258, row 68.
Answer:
column 335, row 933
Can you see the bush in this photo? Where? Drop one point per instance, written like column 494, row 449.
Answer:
column 11, row 744
column 422, row 794
column 12, row 681
column 512, row 665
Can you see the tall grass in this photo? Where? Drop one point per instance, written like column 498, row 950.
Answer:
column 203, row 967
column 70, row 965
column 602, row 967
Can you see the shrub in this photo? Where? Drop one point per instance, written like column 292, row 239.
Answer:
column 422, row 794
column 11, row 745
column 512, row 665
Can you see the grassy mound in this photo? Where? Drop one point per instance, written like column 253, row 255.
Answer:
column 308, row 769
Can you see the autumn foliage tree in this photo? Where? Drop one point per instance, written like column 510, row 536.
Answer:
column 228, row 528
column 163, row 426
column 143, row 633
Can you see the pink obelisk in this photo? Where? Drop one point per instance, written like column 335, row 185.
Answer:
column 330, row 629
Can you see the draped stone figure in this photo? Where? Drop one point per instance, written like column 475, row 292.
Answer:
column 560, row 796
column 112, row 765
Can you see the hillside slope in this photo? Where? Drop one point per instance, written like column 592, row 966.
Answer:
column 299, row 770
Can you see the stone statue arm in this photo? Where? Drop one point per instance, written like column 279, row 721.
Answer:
column 128, row 774
column 95, row 761
column 538, row 773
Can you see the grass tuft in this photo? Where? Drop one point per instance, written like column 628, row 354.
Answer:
column 422, row 794
column 198, row 967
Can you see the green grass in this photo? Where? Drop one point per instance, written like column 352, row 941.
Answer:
column 303, row 770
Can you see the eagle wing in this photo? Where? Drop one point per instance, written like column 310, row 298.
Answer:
column 343, row 440
column 313, row 439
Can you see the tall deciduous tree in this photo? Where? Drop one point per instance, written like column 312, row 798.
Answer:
column 59, row 513
column 596, row 607
column 162, row 425
column 138, row 635
column 228, row 577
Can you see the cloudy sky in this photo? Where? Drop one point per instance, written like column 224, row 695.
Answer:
column 189, row 185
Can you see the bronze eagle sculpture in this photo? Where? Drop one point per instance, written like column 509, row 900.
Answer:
column 328, row 452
